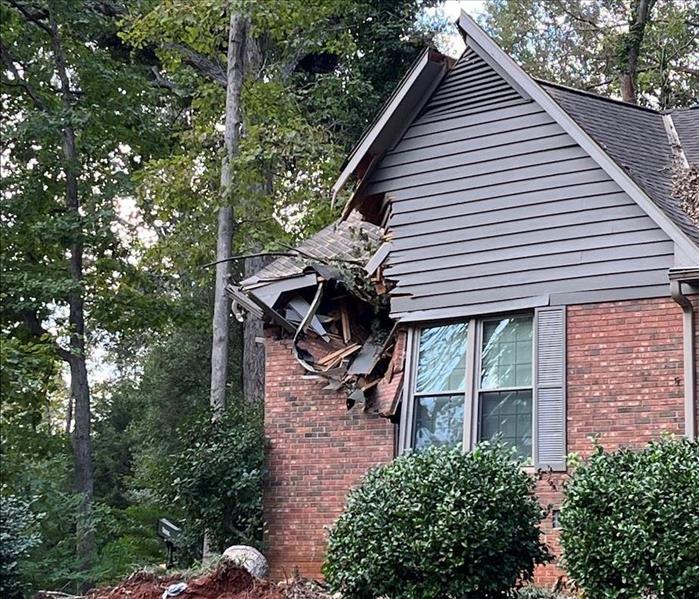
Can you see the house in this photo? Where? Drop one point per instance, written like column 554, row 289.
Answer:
column 514, row 260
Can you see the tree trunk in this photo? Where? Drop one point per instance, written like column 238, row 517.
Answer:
column 253, row 350
column 632, row 42
column 235, row 67
column 222, row 303
column 79, row 386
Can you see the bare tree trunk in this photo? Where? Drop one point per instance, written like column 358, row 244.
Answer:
column 222, row 304
column 632, row 49
column 253, row 350
column 235, row 67
column 79, row 386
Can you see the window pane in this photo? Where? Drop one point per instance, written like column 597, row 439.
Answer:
column 442, row 359
column 506, row 355
column 439, row 421
column 509, row 414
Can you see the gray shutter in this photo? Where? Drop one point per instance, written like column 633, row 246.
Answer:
column 550, row 388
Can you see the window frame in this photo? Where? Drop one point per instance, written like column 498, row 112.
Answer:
column 472, row 385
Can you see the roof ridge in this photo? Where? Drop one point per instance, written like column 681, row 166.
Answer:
column 583, row 92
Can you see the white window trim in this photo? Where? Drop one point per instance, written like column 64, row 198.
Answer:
column 472, row 389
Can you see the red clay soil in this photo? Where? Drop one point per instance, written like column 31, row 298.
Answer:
column 227, row 581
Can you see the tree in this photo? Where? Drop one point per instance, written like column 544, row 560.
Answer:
column 235, row 71
column 77, row 112
column 644, row 51
column 147, row 96
column 304, row 78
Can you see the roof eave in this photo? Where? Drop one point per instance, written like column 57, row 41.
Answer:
column 391, row 122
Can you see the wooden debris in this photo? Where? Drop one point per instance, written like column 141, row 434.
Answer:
column 334, row 358
column 345, row 321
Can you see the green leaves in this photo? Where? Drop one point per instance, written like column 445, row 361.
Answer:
column 215, row 482
column 631, row 522
column 585, row 45
column 438, row 524
column 18, row 535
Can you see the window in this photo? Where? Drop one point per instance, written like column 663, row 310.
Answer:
column 505, row 388
column 451, row 404
column 440, row 384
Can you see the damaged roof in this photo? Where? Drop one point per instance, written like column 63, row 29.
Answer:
column 342, row 240
column 637, row 140
column 340, row 341
column 635, row 147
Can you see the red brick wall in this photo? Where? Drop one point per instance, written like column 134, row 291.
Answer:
column 625, row 384
column 317, row 450
column 625, row 373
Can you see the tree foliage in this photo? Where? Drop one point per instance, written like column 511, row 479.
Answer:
column 587, row 45
column 17, row 536
column 145, row 101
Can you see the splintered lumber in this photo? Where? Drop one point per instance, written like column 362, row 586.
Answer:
column 345, row 320
column 337, row 356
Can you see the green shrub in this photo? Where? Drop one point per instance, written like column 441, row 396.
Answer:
column 215, row 483
column 631, row 522
column 437, row 524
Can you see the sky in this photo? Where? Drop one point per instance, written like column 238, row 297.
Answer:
column 472, row 7
column 453, row 45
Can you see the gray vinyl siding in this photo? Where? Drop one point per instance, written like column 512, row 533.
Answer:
column 493, row 205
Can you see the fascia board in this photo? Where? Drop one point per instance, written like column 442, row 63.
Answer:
column 472, row 30
column 365, row 144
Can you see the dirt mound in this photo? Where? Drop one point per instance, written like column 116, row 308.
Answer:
column 226, row 581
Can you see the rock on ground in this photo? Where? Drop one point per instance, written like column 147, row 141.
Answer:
column 249, row 559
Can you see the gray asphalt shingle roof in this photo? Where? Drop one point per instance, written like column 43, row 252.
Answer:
column 341, row 240
column 636, row 139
